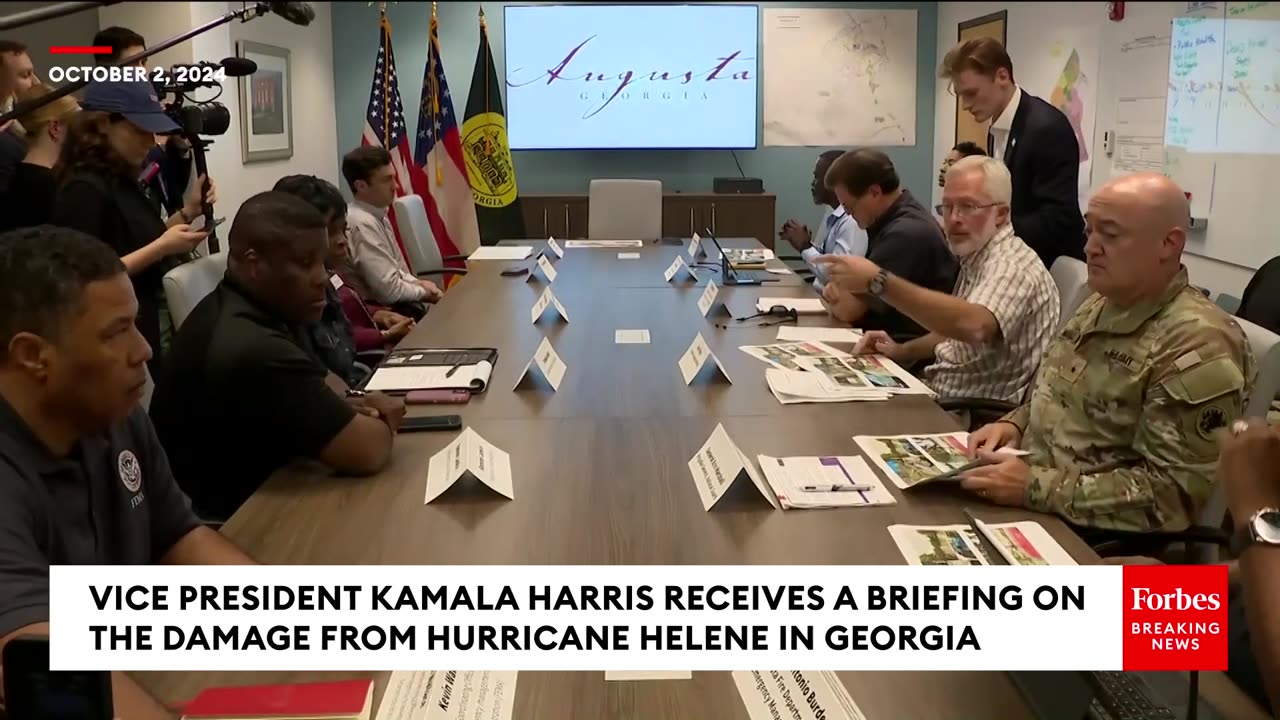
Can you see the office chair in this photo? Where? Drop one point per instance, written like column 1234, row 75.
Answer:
column 1071, row 277
column 624, row 210
column 1260, row 303
column 419, row 241
column 186, row 285
column 148, row 389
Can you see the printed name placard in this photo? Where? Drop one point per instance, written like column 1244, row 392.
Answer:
column 695, row 245
column 548, row 361
column 675, row 268
column 548, row 270
column 708, row 300
column 469, row 455
column 547, row 298
column 555, row 247
column 720, row 464
column 695, row 357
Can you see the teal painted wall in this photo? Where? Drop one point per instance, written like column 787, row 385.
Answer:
column 786, row 171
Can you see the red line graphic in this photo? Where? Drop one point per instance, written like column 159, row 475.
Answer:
column 80, row 50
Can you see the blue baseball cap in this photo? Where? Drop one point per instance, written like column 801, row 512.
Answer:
column 134, row 99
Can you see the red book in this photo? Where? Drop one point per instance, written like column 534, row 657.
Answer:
column 303, row 701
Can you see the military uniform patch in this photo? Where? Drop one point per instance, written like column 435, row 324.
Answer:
column 1210, row 418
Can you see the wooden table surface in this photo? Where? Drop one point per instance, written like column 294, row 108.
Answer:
column 600, row 477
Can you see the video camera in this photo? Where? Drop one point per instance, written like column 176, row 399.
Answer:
column 200, row 117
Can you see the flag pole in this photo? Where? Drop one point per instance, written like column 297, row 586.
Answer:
column 484, row 38
column 433, row 51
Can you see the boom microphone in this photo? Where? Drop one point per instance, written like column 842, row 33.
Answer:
column 298, row 13
column 238, row 66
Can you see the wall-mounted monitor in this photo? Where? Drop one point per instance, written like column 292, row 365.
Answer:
column 631, row 76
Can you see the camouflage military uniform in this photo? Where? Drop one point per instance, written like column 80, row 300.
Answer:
column 1122, row 425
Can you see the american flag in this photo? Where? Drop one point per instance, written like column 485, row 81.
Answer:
column 446, row 190
column 384, row 122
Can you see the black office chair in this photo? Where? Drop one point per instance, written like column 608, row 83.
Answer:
column 1260, row 303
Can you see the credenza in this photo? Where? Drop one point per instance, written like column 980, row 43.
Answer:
column 564, row 215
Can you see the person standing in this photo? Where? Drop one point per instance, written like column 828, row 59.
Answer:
column 1033, row 138
column 29, row 199
column 17, row 73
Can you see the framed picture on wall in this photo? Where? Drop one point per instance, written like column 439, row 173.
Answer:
column 266, row 112
column 995, row 26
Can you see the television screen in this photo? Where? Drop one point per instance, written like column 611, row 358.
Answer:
column 631, row 76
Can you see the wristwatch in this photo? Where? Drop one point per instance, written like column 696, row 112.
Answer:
column 1262, row 529
column 876, row 286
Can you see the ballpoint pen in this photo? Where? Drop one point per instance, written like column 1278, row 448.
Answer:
column 452, row 370
column 835, row 488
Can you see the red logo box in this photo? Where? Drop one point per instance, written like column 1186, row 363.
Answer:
column 1175, row 617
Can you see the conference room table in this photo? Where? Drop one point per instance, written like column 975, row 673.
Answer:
column 600, row 476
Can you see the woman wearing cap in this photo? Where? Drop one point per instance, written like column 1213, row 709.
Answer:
column 29, row 198
column 100, row 192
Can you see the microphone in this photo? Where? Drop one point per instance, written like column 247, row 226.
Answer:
column 238, row 66
column 298, row 13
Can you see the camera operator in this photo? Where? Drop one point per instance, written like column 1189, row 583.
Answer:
column 29, row 200
column 99, row 193
column 173, row 158
column 16, row 74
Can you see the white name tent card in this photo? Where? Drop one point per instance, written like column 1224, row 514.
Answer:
column 708, row 300
column 675, row 268
column 548, row 270
column 547, row 298
column 469, row 455
column 795, row 695
column 451, row 695
column 628, row 256
column 694, row 246
column 555, row 247
column 548, row 361
column 719, row 464
column 695, row 357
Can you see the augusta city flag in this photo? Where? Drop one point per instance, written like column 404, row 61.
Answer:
column 442, row 173
column 488, row 152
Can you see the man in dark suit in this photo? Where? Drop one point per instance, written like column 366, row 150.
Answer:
column 1033, row 138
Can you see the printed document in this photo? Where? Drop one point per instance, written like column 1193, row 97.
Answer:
column 791, row 387
column 631, row 337
column 568, row 244
column 910, row 460
column 792, row 333
column 1025, row 543
column 612, row 675
column 1017, row 543
column 452, row 695
column 824, row 482
column 501, row 252
column 784, row 356
column 795, row 694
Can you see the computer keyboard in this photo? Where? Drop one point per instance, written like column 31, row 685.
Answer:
column 1122, row 696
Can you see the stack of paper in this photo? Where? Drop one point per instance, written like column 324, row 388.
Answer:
column 501, row 252
column 823, row 482
column 1017, row 543
column 785, row 356
column 793, row 333
column 791, row 387
column 910, row 460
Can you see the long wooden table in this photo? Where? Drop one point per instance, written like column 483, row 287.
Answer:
column 600, row 477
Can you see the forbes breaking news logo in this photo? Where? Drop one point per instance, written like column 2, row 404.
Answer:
column 1175, row 617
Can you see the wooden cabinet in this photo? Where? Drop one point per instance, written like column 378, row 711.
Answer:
column 727, row 215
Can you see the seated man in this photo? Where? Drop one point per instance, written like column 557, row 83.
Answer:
column 83, row 479
column 375, row 254
column 343, row 330
column 1123, row 420
column 902, row 238
column 837, row 234
column 961, row 151
column 986, row 341
column 241, row 398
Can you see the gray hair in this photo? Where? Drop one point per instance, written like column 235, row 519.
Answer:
column 995, row 176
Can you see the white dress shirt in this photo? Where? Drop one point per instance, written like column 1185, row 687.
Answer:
column 376, row 258
column 1003, row 124
column 837, row 234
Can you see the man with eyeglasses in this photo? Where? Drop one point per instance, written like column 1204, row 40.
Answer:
column 987, row 339
column 902, row 238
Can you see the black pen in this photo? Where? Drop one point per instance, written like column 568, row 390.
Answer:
column 993, row 551
column 452, row 370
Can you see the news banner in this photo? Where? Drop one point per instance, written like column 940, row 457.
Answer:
column 591, row 618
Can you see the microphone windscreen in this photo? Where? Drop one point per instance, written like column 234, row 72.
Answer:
column 298, row 13
column 238, row 66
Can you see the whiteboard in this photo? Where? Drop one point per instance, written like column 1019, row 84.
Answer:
column 1179, row 120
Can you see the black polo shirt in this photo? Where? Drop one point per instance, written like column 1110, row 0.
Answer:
column 240, row 399
column 908, row 242
column 111, row 501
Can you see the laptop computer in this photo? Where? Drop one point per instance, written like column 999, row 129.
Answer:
column 730, row 276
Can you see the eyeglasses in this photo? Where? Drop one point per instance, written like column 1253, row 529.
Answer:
column 963, row 209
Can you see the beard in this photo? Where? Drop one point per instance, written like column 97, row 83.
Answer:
column 977, row 239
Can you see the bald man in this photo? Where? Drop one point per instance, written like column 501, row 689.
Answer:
column 245, row 394
column 1123, row 422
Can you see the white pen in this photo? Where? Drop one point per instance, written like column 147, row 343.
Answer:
column 835, row 488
